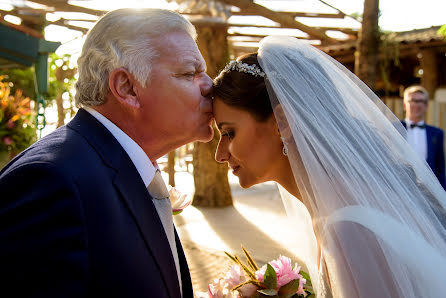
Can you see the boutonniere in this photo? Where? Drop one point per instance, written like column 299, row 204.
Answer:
column 178, row 200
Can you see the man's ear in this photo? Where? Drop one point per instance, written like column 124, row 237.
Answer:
column 121, row 84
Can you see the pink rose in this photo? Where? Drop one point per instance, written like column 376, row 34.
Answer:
column 222, row 287
column 7, row 140
column 284, row 272
column 10, row 124
column 178, row 200
column 235, row 276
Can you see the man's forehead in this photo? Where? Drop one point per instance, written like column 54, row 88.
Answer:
column 190, row 61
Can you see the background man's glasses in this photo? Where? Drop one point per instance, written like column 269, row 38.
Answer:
column 417, row 101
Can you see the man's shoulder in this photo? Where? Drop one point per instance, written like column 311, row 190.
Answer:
column 434, row 129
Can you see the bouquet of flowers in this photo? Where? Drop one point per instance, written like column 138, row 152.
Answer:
column 276, row 279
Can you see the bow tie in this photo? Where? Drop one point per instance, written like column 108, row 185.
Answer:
column 417, row 125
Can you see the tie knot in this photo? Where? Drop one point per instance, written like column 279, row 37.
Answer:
column 417, row 125
column 157, row 188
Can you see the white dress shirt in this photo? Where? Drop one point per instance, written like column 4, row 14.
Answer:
column 146, row 170
column 417, row 138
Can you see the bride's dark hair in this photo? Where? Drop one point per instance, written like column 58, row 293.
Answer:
column 244, row 91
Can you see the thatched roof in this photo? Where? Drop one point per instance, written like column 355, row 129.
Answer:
column 407, row 41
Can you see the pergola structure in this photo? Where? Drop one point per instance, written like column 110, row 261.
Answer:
column 247, row 21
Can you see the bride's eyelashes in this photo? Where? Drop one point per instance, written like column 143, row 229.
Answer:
column 228, row 133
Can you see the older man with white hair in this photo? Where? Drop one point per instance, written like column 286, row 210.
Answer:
column 84, row 212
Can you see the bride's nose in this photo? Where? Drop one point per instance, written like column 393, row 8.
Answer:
column 222, row 153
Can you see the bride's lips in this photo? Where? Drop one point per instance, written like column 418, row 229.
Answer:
column 235, row 169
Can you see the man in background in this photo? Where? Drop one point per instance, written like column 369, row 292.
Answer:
column 425, row 139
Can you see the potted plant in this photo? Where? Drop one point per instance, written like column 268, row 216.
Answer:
column 17, row 128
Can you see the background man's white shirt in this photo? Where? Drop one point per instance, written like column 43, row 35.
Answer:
column 417, row 138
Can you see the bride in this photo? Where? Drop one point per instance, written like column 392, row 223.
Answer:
column 294, row 115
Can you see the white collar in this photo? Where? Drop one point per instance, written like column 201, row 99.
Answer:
column 139, row 158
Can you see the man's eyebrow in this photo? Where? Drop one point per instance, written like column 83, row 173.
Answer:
column 223, row 123
column 195, row 62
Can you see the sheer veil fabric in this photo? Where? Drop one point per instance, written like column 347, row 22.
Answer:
column 376, row 208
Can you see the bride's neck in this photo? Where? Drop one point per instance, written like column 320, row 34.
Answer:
column 286, row 179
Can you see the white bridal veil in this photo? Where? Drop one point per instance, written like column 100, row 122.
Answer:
column 377, row 209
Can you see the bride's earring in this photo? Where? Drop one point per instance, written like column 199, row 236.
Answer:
column 285, row 148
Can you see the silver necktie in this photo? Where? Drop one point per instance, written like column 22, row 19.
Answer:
column 158, row 190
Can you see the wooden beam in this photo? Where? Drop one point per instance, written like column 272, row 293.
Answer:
column 62, row 5
column 199, row 20
column 255, row 26
column 349, row 31
column 35, row 19
column 256, row 37
column 260, row 35
column 283, row 19
column 80, row 20
column 248, row 12
column 63, row 23
column 32, row 19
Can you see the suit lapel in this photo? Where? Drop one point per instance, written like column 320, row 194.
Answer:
column 430, row 149
column 149, row 224
column 134, row 194
column 184, row 268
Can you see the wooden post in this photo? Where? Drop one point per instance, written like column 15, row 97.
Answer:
column 210, row 178
column 429, row 80
column 366, row 56
column 171, row 167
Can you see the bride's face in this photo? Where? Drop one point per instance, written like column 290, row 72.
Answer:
column 252, row 149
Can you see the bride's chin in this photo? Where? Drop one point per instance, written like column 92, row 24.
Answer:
column 245, row 184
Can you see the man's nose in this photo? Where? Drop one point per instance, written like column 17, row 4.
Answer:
column 206, row 85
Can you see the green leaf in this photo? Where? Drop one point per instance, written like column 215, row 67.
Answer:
column 289, row 289
column 311, row 296
column 270, row 277
column 268, row 292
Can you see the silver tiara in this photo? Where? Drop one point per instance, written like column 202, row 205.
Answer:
column 244, row 67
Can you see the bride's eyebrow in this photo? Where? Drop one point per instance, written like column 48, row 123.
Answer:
column 223, row 123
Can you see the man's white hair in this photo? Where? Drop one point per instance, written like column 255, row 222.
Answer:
column 123, row 38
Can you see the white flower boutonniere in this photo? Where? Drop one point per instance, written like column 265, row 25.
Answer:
column 178, row 200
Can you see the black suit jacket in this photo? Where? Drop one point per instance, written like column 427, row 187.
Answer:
column 435, row 151
column 77, row 221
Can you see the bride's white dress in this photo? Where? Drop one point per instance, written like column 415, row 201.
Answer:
column 408, row 248
column 374, row 205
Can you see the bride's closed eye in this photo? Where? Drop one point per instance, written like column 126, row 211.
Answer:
column 228, row 133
